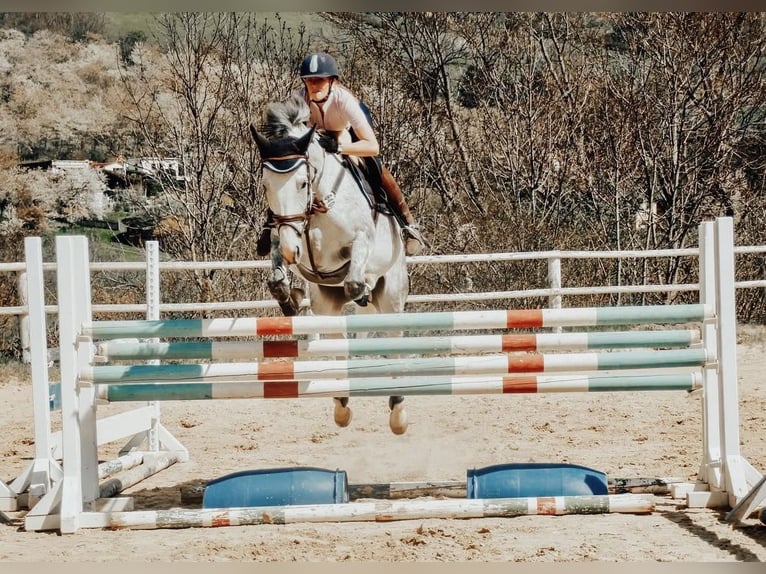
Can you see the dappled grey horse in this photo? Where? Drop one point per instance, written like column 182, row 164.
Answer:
column 328, row 231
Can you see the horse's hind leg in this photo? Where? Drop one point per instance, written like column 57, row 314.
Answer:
column 341, row 412
column 393, row 302
column 330, row 301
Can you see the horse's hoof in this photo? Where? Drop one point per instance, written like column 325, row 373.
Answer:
column 355, row 290
column 288, row 309
column 279, row 290
column 342, row 413
column 397, row 420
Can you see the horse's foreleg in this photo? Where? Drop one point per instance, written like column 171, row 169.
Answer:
column 390, row 296
column 279, row 282
column 355, row 286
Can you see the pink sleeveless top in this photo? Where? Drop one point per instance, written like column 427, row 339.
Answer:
column 339, row 112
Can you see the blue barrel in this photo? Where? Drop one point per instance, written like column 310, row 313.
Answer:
column 532, row 479
column 277, row 487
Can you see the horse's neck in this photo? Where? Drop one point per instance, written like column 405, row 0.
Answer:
column 334, row 181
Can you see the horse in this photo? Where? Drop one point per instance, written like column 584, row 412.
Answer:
column 328, row 231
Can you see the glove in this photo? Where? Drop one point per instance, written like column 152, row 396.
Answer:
column 329, row 143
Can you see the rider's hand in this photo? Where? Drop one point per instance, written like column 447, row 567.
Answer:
column 329, row 143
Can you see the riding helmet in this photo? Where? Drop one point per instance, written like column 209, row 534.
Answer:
column 319, row 65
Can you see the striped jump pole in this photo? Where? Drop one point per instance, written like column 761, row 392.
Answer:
column 452, row 321
column 152, row 463
column 378, row 511
column 120, row 464
column 232, row 350
column 408, row 386
column 361, row 368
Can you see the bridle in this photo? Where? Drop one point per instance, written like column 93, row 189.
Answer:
column 298, row 221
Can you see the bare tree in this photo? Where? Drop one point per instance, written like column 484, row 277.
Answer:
column 194, row 102
column 421, row 53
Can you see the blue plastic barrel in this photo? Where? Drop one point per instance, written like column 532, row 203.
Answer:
column 532, row 479
column 277, row 487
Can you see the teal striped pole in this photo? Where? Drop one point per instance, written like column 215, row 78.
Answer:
column 406, row 386
column 230, row 350
column 457, row 320
column 360, row 368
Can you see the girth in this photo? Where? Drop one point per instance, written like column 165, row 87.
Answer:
column 324, row 277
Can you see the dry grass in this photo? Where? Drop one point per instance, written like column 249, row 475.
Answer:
column 751, row 334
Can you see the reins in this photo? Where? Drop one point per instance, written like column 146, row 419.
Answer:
column 300, row 222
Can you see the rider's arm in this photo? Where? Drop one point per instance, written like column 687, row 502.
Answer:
column 367, row 144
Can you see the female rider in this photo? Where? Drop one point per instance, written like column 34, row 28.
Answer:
column 346, row 128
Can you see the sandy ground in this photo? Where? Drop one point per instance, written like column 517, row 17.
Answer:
column 650, row 434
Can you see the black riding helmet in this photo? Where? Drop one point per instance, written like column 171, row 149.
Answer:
column 319, row 65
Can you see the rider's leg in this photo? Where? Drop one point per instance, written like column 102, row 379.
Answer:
column 413, row 240
column 263, row 246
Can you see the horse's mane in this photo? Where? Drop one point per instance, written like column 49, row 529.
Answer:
column 286, row 119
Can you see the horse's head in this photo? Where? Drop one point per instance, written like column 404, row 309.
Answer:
column 287, row 179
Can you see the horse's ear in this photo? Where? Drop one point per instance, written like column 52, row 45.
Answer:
column 302, row 143
column 262, row 143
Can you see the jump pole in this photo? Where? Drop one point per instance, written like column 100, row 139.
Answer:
column 378, row 511
column 426, row 321
column 214, row 350
column 405, row 386
column 360, row 368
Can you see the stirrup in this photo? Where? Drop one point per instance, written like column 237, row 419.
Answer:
column 413, row 239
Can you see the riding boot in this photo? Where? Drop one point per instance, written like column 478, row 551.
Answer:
column 263, row 246
column 413, row 240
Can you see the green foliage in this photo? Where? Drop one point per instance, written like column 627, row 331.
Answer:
column 127, row 43
column 77, row 26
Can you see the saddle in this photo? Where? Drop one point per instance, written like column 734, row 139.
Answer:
column 370, row 183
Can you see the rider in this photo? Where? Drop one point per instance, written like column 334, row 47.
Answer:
column 346, row 128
